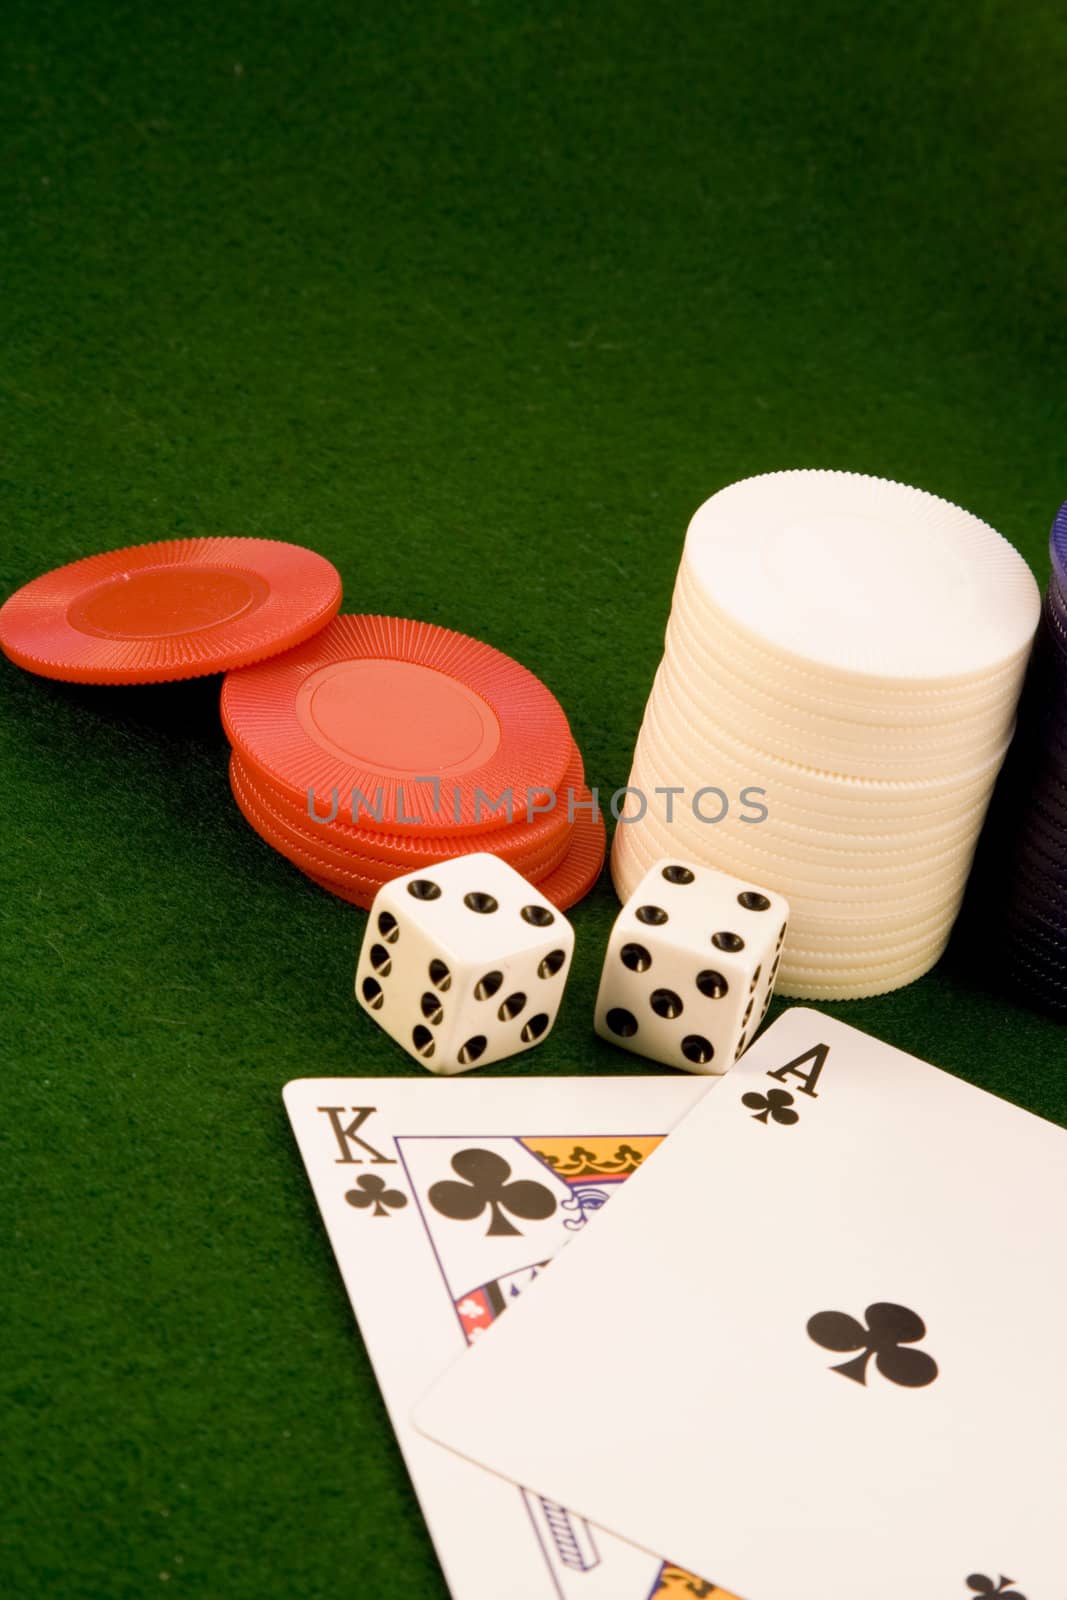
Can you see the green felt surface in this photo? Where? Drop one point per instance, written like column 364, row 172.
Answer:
column 480, row 300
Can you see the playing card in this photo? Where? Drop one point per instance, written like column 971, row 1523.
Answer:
column 444, row 1201
column 816, row 1347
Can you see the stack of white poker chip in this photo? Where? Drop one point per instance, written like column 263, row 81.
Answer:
column 854, row 648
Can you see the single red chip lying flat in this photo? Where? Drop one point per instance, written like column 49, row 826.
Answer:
column 433, row 731
column 178, row 609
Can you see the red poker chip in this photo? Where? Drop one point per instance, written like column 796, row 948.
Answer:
column 181, row 608
column 580, row 868
column 525, row 842
column 571, row 880
column 355, row 897
column 374, row 704
column 355, row 869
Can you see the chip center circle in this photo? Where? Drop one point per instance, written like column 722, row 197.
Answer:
column 399, row 718
column 162, row 602
column 863, row 565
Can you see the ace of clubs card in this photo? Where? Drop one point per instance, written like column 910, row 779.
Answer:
column 444, row 1202
column 816, row 1347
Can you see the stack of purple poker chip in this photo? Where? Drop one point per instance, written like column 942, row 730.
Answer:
column 1037, row 897
column 1058, row 548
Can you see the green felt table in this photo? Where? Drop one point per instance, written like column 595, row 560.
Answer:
column 480, row 300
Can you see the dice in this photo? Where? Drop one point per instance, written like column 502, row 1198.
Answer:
column 690, row 966
column 464, row 963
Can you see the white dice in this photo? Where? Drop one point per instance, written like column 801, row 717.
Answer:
column 464, row 963
column 690, row 966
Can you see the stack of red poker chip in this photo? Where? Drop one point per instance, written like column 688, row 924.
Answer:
column 381, row 745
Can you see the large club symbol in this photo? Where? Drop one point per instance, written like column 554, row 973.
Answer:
column 485, row 1183
column 888, row 1327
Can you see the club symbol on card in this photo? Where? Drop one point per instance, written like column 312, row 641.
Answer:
column 888, row 1328
column 985, row 1586
column 485, row 1183
column 374, row 1193
column 774, row 1105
